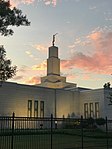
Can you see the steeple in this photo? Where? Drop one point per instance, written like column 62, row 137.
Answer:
column 53, row 78
column 53, row 62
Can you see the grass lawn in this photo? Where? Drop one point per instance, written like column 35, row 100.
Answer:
column 61, row 139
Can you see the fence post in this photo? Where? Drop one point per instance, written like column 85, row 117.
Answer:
column 12, row 139
column 107, row 132
column 82, row 141
column 51, row 128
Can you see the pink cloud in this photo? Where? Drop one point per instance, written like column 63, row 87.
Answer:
column 42, row 66
column 33, row 80
column 71, row 76
column 46, row 2
column 86, row 77
column 100, row 61
column 17, row 2
column 95, row 36
column 24, row 75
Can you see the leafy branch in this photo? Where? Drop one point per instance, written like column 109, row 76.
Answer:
column 10, row 17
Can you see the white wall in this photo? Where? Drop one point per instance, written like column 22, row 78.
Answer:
column 92, row 96
column 108, row 107
column 14, row 98
column 66, row 103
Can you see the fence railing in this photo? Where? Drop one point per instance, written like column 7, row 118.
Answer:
column 54, row 133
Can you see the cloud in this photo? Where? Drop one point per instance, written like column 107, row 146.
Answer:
column 29, row 75
column 17, row 2
column 29, row 53
column 23, row 69
column 79, row 42
column 16, row 78
column 46, row 2
column 42, row 66
column 92, row 7
column 35, row 69
column 100, row 61
column 86, row 77
column 95, row 36
column 71, row 76
column 33, row 80
column 108, row 15
column 40, row 47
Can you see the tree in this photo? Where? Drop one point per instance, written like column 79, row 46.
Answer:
column 6, row 70
column 107, row 85
column 10, row 17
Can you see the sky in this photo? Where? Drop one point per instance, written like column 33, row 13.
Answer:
column 84, row 40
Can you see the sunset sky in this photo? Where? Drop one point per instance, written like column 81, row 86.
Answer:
column 84, row 39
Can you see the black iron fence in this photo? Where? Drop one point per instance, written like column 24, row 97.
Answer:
column 54, row 133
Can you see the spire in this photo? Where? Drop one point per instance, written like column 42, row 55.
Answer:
column 53, row 79
column 53, row 62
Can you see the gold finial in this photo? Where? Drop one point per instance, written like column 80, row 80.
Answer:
column 54, row 39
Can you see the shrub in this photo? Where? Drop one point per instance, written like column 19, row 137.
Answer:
column 100, row 121
column 90, row 121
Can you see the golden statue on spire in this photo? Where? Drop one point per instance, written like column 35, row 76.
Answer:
column 54, row 39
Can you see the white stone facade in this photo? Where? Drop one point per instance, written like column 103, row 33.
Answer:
column 59, row 102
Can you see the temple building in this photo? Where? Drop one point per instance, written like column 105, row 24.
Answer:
column 54, row 95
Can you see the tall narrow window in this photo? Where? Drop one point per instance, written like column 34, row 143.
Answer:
column 86, row 110
column 36, row 108
column 91, row 110
column 96, row 109
column 41, row 108
column 30, row 108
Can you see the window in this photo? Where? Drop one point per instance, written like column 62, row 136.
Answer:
column 86, row 110
column 91, row 110
column 41, row 108
column 29, row 108
column 36, row 108
column 96, row 109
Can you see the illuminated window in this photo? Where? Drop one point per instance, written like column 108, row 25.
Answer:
column 36, row 108
column 29, row 108
column 86, row 110
column 41, row 108
column 91, row 110
column 96, row 109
